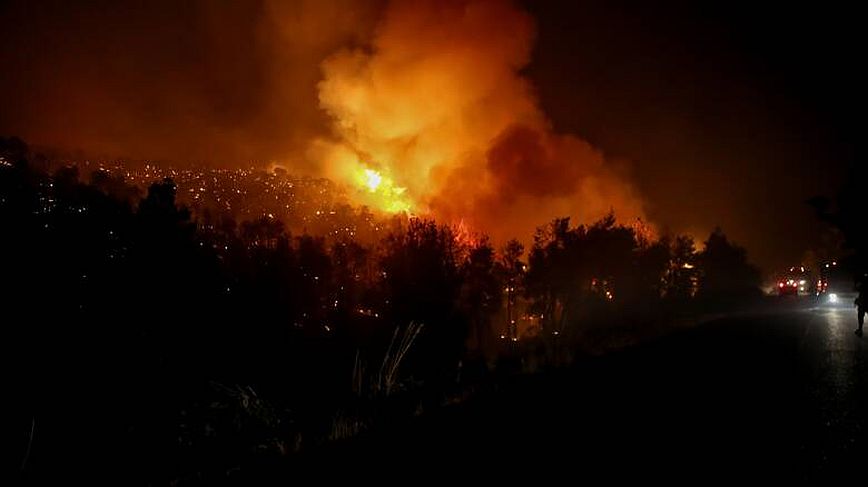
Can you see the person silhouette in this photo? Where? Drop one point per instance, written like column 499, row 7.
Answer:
column 861, row 302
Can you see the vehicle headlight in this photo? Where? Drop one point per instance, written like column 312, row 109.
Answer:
column 833, row 298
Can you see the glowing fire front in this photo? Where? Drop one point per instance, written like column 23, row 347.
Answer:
column 380, row 192
column 433, row 115
column 372, row 180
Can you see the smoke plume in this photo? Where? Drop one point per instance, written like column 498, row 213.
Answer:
column 436, row 102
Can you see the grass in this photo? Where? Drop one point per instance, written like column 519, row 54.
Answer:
column 387, row 378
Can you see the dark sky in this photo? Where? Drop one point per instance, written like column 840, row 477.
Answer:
column 729, row 114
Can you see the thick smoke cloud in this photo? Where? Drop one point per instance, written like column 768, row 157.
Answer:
column 438, row 102
column 428, row 92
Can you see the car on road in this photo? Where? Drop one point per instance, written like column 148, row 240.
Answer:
column 835, row 286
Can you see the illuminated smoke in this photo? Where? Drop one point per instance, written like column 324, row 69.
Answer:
column 436, row 106
column 426, row 94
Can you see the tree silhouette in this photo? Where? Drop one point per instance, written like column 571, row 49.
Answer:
column 681, row 274
column 188, row 337
column 552, row 267
column 573, row 270
column 481, row 292
column 512, row 275
column 847, row 213
column 420, row 272
column 726, row 273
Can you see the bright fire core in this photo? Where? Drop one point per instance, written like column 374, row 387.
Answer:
column 372, row 180
column 381, row 191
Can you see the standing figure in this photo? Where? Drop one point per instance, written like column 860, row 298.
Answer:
column 860, row 302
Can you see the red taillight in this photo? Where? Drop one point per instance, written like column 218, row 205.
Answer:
column 780, row 284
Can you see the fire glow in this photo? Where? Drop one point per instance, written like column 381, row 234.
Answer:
column 434, row 116
column 379, row 191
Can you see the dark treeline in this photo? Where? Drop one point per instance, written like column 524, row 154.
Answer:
column 139, row 336
column 847, row 211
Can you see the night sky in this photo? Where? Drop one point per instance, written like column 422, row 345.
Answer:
column 729, row 115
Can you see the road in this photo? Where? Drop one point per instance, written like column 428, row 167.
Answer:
column 775, row 395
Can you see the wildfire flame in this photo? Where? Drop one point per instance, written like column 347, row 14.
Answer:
column 380, row 192
column 372, row 180
column 434, row 115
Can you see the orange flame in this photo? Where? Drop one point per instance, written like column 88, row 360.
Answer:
column 379, row 191
column 438, row 100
